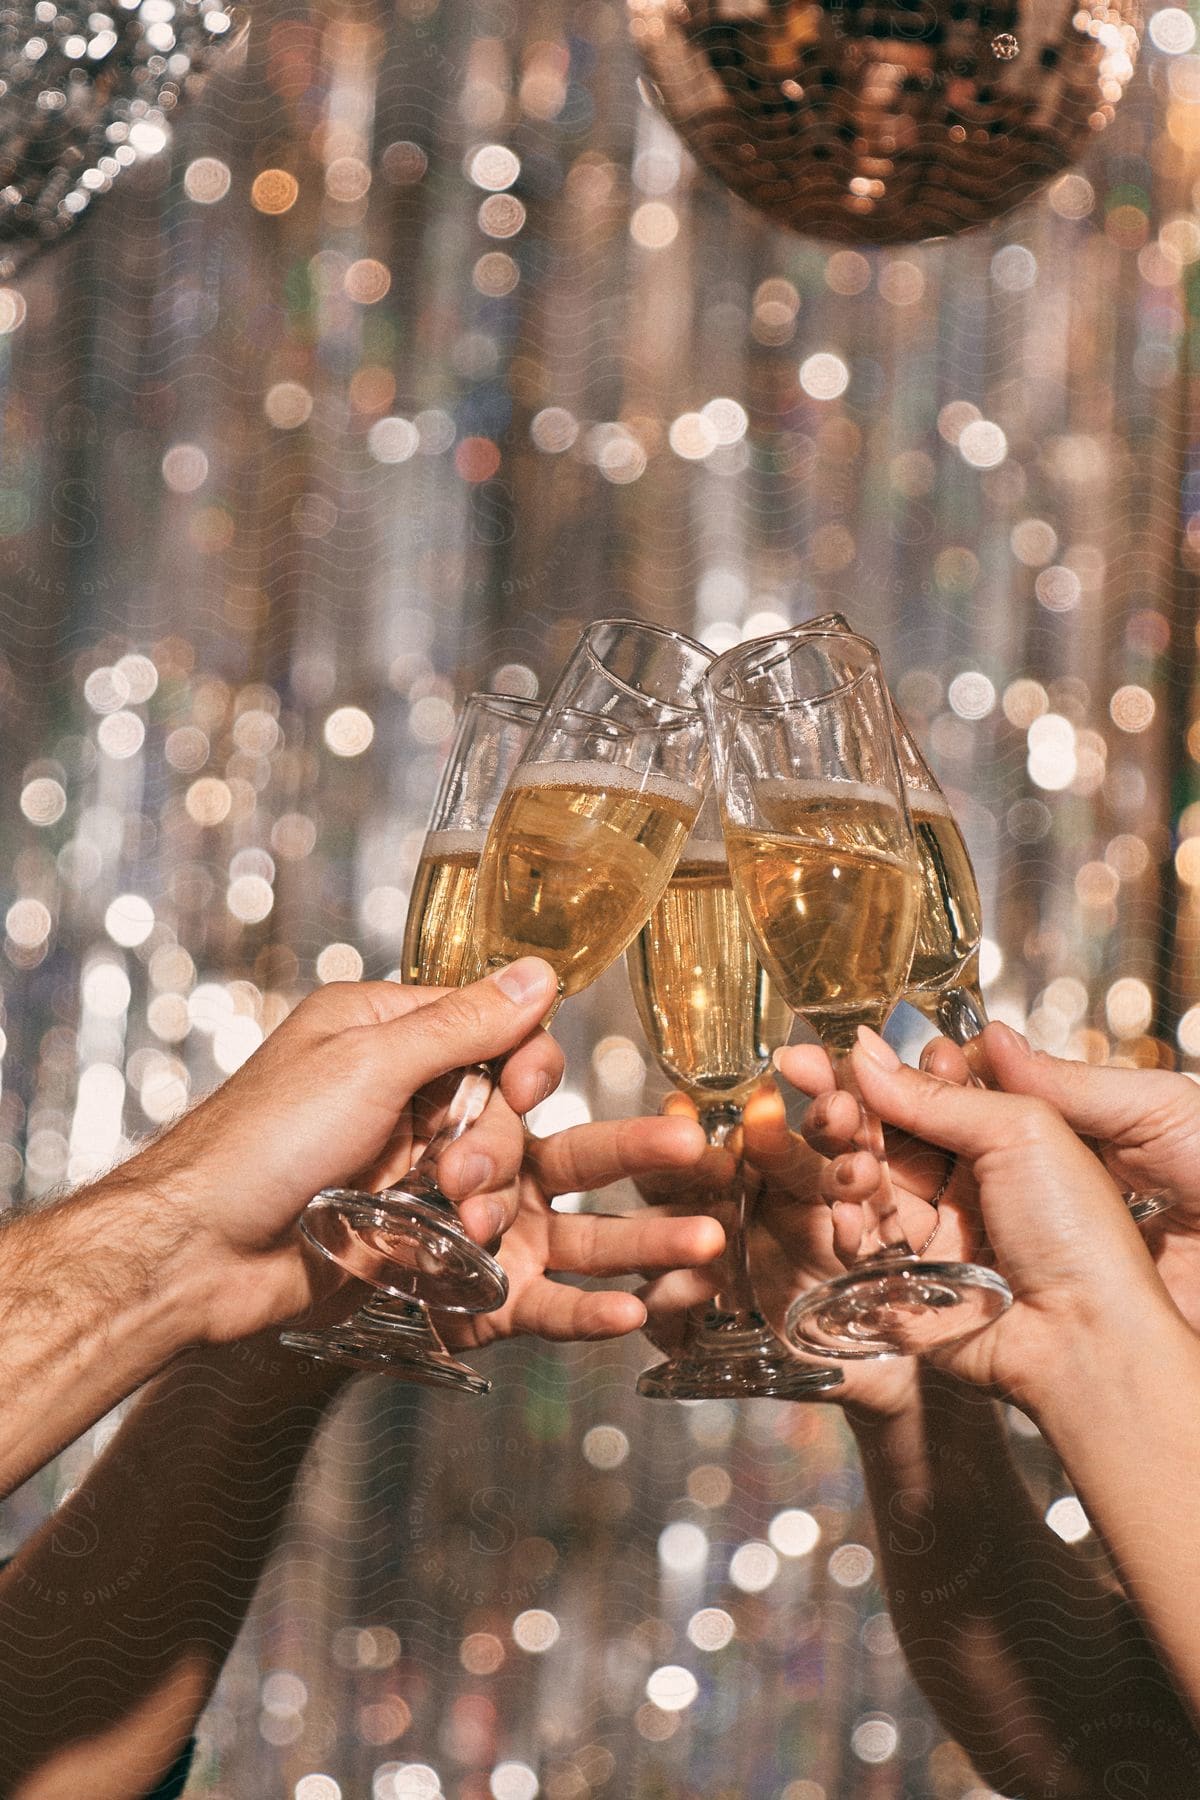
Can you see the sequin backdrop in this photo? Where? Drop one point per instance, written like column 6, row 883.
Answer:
column 421, row 344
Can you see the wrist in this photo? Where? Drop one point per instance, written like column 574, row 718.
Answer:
column 138, row 1253
column 1114, row 1361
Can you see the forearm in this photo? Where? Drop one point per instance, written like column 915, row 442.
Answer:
column 1016, row 1639
column 1123, row 1412
column 96, row 1294
column 115, row 1620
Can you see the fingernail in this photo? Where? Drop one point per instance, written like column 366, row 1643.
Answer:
column 543, row 1089
column 495, row 1219
column 528, row 979
column 474, row 1172
column 1022, row 1042
column 874, row 1048
column 777, row 1057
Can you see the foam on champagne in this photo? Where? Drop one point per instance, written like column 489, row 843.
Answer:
column 453, row 843
column 935, row 805
column 710, row 851
column 578, row 855
column 590, row 774
column 795, row 790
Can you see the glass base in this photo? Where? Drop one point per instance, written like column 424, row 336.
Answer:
column 409, row 1352
column 410, row 1245
column 896, row 1308
column 1147, row 1206
column 735, row 1363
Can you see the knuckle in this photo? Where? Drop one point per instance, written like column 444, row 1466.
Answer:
column 1036, row 1119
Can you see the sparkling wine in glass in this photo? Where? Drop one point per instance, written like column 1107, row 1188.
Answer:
column 944, row 981
column 590, row 829
column 712, row 1020
column 824, row 862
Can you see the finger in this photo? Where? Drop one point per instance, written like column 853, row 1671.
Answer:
column 673, row 1295
column 946, row 1061
column 596, row 1244
column 1096, row 1102
column 531, row 1072
column 590, row 1156
column 807, row 1067
column 847, row 1232
column 547, row 1309
column 480, row 1172
column 969, row 1120
column 846, row 1184
column 472, row 1024
column 785, row 1163
column 831, row 1122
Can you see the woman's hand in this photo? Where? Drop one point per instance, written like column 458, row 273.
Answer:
column 1145, row 1124
column 1059, row 1230
column 793, row 1233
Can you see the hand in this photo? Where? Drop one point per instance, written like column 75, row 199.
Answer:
column 792, row 1235
column 1146, row 1127
column 327, row 1100
column 542, row 1242
column 812, row 1239
column 1060, row 1232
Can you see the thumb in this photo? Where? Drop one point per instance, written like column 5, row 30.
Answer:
column 473, row 1024
column 1095, row 1102
column 972, row 1121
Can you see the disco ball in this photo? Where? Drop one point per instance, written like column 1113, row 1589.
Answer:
column 85, row 93
column 886, row 121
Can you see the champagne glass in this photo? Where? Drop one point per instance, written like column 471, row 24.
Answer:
column 582, row 843
column 712, row 1019
column 396, row 1336
column 408, row 1241
column 824, row 864
column 943, row 981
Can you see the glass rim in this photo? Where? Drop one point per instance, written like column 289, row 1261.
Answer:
column 618, row 728
column 487, row 700
column 683, row 708
column 872, row 667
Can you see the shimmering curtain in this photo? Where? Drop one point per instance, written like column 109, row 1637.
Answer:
column 423, row 344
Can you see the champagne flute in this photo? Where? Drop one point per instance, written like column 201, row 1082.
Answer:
column 943, row 981
column 824, row 865
column 577, row 853
column 712, row 1019
column 396, row 1336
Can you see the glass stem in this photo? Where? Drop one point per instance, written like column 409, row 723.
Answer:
column 474, row 1090
column 399, row 1315
column 475, row 1087
column 734, row 1307
column 961, row 1012
column 884, row 1237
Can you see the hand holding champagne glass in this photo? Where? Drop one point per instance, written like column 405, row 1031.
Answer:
column 713, row 1019
column 944, row 982
column 396, row 1336
column 824, row 863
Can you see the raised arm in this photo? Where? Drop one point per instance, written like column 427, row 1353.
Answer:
column 115, row 1619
